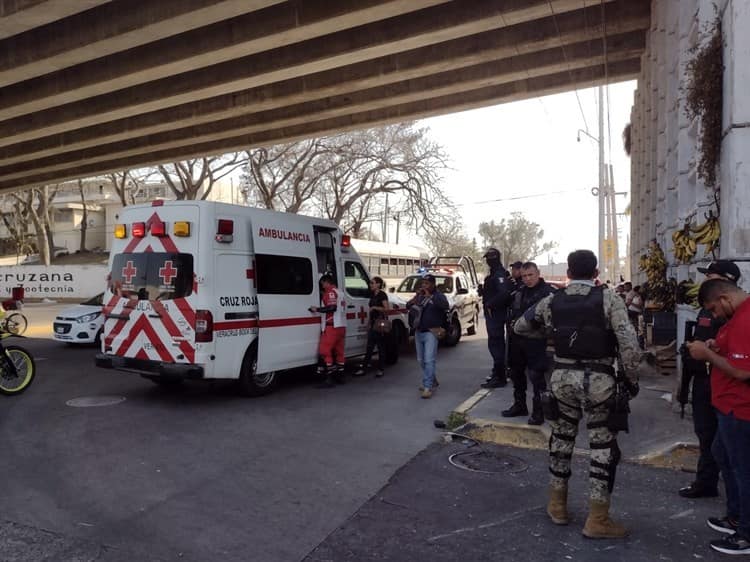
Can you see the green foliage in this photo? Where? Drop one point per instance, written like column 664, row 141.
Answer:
column 517, row 238
column 455, row 420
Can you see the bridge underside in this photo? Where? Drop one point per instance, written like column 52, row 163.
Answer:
column 92, row 86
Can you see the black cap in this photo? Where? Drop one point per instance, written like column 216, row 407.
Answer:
column 517, row 264
column 727, row 269
column 429, row 277
column 493, row 253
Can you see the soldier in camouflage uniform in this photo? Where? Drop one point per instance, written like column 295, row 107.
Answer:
column 590, row 326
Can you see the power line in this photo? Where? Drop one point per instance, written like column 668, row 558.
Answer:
column 517, row 197
column 567, row 62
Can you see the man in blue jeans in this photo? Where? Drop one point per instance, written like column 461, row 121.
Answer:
column 729, row 356
column 428, row 310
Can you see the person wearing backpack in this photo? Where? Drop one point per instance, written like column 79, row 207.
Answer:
column 428, row 312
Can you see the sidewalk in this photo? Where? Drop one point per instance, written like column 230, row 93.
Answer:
column 655, row 429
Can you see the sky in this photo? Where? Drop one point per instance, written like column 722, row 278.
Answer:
column 529, row 148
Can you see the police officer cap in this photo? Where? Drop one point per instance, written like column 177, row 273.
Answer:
column 727, row 269
column 516, row 264
column 429, row 277
column 492, row 253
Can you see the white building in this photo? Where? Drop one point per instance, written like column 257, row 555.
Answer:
column 102, row 207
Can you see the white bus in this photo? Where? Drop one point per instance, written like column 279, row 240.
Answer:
column 392, row 262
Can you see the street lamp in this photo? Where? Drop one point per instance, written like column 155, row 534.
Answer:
column 384, row 187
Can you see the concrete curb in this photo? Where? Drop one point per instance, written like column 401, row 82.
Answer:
column 507, row 433
column 677, row 456
column 498, row 432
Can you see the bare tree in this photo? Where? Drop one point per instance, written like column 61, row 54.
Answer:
column 84, row 216
column 451, row 240
column 36, row 203
column 284, row 177
column 346, row 178
column 517, row 238
column 17, row 224
column 186, row 179
column 128, row 184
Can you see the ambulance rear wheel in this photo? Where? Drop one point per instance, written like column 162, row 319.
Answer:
column 251, row 382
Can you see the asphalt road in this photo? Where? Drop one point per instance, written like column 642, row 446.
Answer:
column 197, row 472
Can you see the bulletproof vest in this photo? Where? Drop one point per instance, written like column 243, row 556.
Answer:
column 579, row 326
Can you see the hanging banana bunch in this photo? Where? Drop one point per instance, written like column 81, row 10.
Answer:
column 708, row 233
column 658, row 289
column 687, row 293
column 685, row 245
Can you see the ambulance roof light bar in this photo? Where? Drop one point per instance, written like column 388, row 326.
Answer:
column 138, row 229
column 158, row 228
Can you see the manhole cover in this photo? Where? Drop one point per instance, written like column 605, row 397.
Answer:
column 489, row 462
column 94, row 401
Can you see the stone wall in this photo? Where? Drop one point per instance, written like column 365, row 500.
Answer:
column 666, row 189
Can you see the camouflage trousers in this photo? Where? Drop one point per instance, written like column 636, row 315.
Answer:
column 578, row 393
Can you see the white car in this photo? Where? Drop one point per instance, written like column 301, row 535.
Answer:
column 81, row 323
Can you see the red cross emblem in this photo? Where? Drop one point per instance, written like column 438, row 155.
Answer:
column 128, row 272
column 167, row 272
column 362, row 315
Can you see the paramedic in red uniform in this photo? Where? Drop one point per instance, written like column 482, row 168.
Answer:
column 729, row 356
column 333, row 326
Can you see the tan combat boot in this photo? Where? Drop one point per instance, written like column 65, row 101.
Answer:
column 600, row 526
column 557, row 508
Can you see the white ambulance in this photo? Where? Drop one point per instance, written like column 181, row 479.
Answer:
column 205, row 290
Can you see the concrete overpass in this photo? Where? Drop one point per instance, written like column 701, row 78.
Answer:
column 89, row 86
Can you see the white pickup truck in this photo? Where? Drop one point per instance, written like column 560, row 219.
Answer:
column 456, row 278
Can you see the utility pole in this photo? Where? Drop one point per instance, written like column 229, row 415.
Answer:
column 613, row 221
column 385, row 219
column 602, row 182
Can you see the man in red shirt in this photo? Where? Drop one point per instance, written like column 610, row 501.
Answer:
column 729, row 356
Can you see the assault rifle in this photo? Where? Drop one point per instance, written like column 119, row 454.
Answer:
column 687, row 368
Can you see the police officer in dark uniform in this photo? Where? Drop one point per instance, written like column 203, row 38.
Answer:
column 526, row 353
column 704, row 416
column 495, row 299
column 516, row 275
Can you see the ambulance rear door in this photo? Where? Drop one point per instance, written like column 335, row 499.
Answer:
column 284, row 262
column 356, row 286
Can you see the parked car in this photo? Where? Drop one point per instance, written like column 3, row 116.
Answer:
column 81, row 323
column 33, row 259
column 456, row 278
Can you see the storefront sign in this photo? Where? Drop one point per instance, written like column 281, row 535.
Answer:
column 53, row 282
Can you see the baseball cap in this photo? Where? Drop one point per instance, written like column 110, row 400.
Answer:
column 727, row 269
column 429, row 277
column 492, row 253
column 517, row 264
